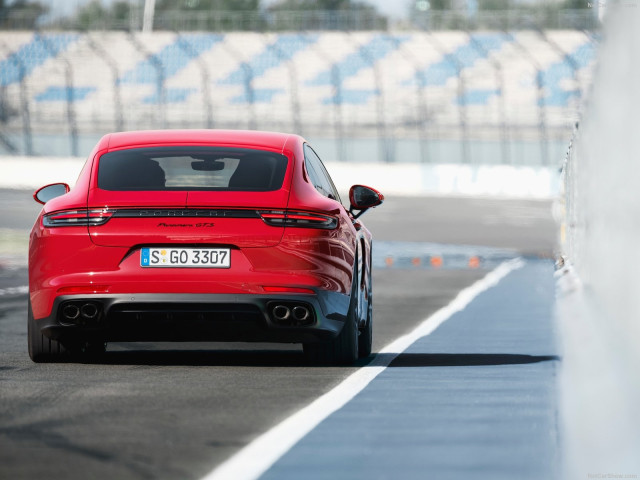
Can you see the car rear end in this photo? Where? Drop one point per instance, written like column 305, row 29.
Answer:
column 186, row 240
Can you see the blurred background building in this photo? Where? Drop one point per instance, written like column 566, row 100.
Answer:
column 430, row 81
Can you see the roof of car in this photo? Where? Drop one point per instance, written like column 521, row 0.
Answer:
column 239, row 138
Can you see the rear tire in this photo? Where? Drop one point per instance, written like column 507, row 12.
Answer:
column 41, row 348
column 365, row 339
column 342, row 350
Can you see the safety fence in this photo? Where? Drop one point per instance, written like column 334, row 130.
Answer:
column 496, row 97
column 129, row 16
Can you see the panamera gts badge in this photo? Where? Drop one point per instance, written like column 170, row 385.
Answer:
column 186, row 225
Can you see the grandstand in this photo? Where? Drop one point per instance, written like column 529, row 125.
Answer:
column 413, row 86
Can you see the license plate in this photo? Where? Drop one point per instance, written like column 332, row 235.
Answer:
column 185, row 257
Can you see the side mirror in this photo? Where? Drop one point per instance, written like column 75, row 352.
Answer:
column 49, row 192
column 363, row 198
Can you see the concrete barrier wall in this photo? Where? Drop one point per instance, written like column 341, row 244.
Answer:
column 392, row 179
column 599, row 301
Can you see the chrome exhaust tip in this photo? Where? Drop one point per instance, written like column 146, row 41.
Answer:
column 300, row 313
column 70, row 312
column 281, row 313
column 89, row 311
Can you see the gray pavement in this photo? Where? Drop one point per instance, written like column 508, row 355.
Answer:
column 524, row 225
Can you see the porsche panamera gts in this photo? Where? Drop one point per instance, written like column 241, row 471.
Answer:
column 201, row 235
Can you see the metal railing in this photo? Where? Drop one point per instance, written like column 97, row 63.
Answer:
column 548, row 19
column 305, row 20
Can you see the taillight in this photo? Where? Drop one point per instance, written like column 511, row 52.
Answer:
column 77, row 218
column 270, row 289
column 280, row 218
column 84, row 289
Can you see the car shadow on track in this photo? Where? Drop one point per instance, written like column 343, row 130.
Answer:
column 466, row 359
column 293, row 358
column 213, row 358
column 242, row 358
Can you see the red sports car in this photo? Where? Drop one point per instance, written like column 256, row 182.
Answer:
column 201, row 235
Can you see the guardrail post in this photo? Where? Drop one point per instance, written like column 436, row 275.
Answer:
column 502, row 111
column 462, row 104
column 542, row 121
column 204, row 76
column 68, row 77
column 24, row 102
column 385, row 143
column 249, row 93
column 293, row 81
column 115, row 75
column 336, row 97
column 157, row 65
column 422, row 112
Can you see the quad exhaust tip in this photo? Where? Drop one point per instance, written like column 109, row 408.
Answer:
column 80, row 313
column 292, row 314
column 89, row 311
column 70, row 312
column 300, row 313
column 281, row 313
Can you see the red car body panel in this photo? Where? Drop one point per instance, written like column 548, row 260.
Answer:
column 104, row 260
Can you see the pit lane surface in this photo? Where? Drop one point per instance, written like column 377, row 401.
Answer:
column 177, row 411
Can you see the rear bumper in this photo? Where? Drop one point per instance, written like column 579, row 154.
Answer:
column 196, row 317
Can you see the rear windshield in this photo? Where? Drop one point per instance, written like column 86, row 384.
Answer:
column 191, row 168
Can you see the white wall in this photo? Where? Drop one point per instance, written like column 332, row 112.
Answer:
column 599, row 302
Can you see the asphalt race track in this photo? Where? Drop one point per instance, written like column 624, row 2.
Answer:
column 474, row 399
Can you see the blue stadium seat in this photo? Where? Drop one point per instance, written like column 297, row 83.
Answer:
column 33, row 54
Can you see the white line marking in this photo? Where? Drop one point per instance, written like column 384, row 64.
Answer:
column 14, row 290
column 259, row 455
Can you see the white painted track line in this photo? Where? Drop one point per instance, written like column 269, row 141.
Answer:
column 259, row 455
